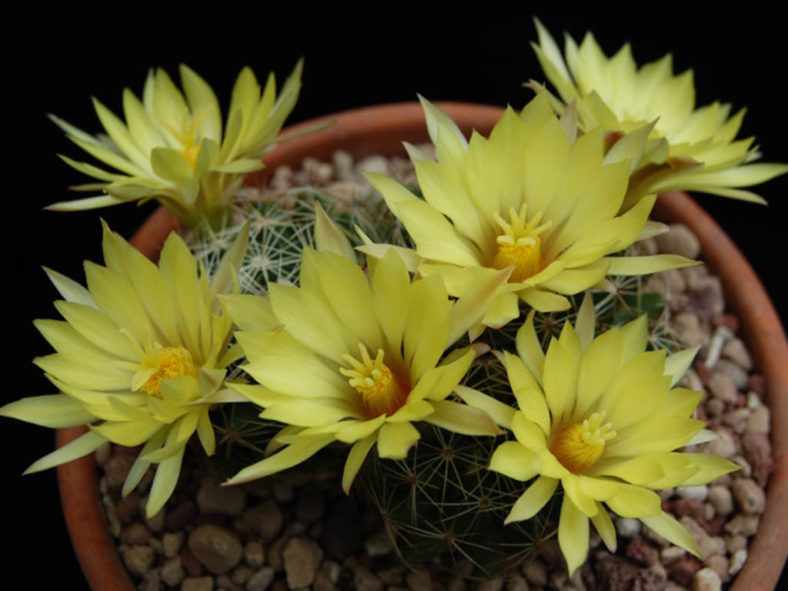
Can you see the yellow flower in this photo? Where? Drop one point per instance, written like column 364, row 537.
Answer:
column 356, row 360
column 689, row 149
column 140, row 356
column 172, row 148
column 601, row 417
column 526, row 199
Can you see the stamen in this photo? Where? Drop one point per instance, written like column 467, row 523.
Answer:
column 580, row 445
column 382, row 391
column 519, row 245
column 172, row 362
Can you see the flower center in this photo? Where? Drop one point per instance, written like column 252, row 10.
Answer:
column 382, row 391
column 173, row 362
column 191, row 153
column 578, row 446
column 519, row 244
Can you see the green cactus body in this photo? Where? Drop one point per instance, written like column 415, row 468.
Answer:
column 441, row 501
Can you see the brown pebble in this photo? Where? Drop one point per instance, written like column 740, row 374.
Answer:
column 642, row 552
column 683, row 570
column 197, row 584
column 703, row 371
column 758, row 453
column 117, row 469
column 682, row 507
column 712, row 526
column 190, row 563
column 128, row 508
column 136, row 533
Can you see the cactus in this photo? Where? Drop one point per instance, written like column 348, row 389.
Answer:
column 441, row 501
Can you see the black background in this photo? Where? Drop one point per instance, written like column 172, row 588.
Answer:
column 362, row 54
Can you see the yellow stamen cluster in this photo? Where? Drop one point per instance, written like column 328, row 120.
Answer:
column 519, row 244
column 173, row 362
column 191, row 153
column 382, row 392
column 580, row 445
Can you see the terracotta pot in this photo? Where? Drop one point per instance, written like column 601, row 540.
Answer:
column 381, row 130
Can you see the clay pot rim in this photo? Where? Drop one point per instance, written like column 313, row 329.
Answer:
column 380, row 130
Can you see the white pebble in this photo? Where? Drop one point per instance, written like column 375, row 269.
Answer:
column 693, row 493
column 627, row 527
column 706, row 579
column 737, row 561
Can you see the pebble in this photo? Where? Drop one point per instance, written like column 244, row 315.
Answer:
column 737, row 419
column 737, row 352
column 736, row 373
column 301, row 559
column 197, row 584
column 760, row 420
column 749, row 496
column 323, row 582
column 493, row 584
column 709, row 545
column 719, row 564
column 266, row 519
column 724, row 446
column 138, row 559
column 627, row 527
column 744, row 525
column 758, row 452
column 172, row 572
column 136, row 533
column 241, row 574
column 671, row 554
column 735, row 543
column 706, row 579
column 516, row 582
column 715, row 407
column 117, row 469
column 260, row 580
column 216, row 548
column 684, row 569
column 254, row 554
column 226, row 500
column 738, row 558
column 172, row 543
column 365, row 580
column 722, row 499
column 706, row 296
column 535, row 572
column 688, row 329
column 156, row 523
column 377, row 164
column 379, row 544
column 721, row 386
column 679, row 240
column 128, row 508
column 642, row 552
column 693, row 493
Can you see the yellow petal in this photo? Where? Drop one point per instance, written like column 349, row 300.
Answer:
column 533, row 499
column 395, row 439
column 355, row 460
column 573, row 535
column 514, row 460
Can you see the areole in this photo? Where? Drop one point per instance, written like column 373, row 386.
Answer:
column 381, row 130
